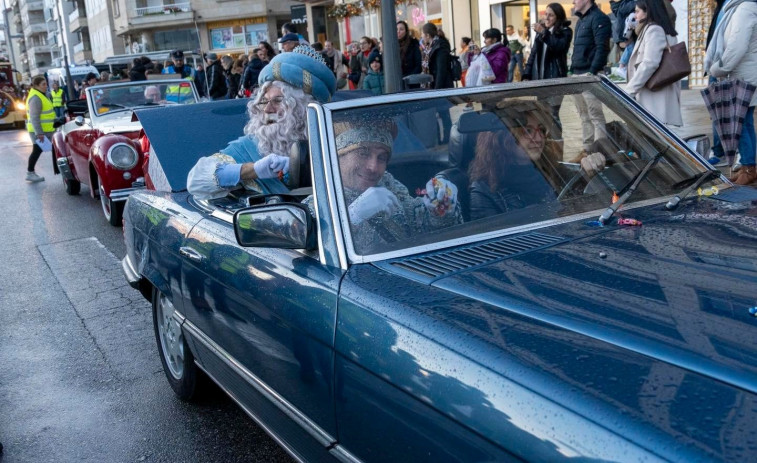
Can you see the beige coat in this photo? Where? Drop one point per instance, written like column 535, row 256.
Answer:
column 739, row 58
column 664, row 104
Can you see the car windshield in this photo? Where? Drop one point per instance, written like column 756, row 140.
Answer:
column 108, row 99
column 512, row 158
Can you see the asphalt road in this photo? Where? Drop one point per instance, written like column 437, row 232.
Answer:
column 80, row 376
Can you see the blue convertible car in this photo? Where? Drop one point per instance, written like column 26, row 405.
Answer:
column 583, row 290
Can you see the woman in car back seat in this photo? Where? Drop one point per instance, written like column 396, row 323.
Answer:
column 516, row 167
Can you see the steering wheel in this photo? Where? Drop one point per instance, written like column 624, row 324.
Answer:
column 569, row 186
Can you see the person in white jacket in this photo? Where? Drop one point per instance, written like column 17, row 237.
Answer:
column 732, row 53
column 658, row 33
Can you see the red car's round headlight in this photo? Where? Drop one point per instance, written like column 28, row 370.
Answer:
column 122, row 156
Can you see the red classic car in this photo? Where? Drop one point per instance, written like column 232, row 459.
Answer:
column 104, row 146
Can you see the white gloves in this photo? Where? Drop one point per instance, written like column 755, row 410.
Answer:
column 373, row 201
column 271, row 165
column 441, row 196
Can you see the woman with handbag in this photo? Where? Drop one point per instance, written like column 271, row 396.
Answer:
column 657, row 34
column 732, row 53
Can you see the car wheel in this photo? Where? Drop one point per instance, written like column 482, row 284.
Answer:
column 73, row 187
column 112, row 210
column 177, row 359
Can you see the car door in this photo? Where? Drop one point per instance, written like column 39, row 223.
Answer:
column 263, row 322
column 79, row 141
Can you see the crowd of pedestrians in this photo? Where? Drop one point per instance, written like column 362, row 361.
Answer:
column 643, row 29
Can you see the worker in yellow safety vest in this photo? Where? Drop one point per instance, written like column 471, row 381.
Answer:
column 40, row 117
column 58, row 97
column 179, row 93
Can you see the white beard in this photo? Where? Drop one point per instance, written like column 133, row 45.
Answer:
column 274, row 133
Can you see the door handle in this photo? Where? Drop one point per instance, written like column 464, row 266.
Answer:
column 191, row 254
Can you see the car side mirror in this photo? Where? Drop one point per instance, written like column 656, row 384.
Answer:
column 79, row 121
column 281, row 226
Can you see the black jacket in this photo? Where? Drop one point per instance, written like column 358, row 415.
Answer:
column 555, row 62
column 621, row 9
column 200, row 83
column 438, row 64
column 592, row 42
column 216, row 80
column 252, row 72
column 412, row 62
column 235, row 81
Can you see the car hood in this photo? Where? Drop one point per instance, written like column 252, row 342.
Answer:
column 681, row 288
column 118, row 123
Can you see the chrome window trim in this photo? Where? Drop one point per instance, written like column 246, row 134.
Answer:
column 90, row 100
column 319, row 434
column 114, row 146
column 320, row 237
column 333, row 184
column 405, row 97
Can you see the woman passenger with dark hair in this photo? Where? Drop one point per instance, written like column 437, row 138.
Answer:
column 517, row 166
column 410, row 50
column 657, row 33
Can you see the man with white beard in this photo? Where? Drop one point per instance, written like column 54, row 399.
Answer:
column 278, row 119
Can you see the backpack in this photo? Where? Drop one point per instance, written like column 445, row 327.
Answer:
column 455, row 68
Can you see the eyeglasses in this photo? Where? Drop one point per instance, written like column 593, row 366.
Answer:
column 530, row 130
column 277, row 100
column 363, row 43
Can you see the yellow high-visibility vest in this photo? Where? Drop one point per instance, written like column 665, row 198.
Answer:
column 179, row 94
column 46, row 117
column 57, row 98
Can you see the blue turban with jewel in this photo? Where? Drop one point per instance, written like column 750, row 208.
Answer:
column 303, row 68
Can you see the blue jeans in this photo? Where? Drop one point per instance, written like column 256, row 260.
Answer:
column 626, row 56
column 516, row 58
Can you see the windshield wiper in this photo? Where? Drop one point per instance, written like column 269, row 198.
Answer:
column 637, row 180
column 703, row 177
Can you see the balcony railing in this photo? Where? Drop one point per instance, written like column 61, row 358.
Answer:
column 81, row 47
column 35, row 5
column 76, row 14
column 164, row 9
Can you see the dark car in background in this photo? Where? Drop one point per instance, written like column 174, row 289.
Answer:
column 551, row 331
column 102, row 145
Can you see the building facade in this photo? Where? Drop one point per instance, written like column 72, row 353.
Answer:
column 469, row 18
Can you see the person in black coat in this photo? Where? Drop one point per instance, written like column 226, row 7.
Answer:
column 549, row 54
column 438, row 57
column 215, row 78
column 252, row 71
column 592, row 41
column 410, row 51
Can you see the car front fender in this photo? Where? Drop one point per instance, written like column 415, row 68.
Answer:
column 103, row 173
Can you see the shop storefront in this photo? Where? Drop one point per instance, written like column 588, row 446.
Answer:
column 237, row 36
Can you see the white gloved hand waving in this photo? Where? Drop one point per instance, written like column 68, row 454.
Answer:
column 441, row 196
column 271, row 165
column 373, row 201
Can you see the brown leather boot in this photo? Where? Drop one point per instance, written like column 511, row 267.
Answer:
column 747, row 175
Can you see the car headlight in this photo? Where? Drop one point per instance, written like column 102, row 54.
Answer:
column 20, row 106
column 122, row 156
